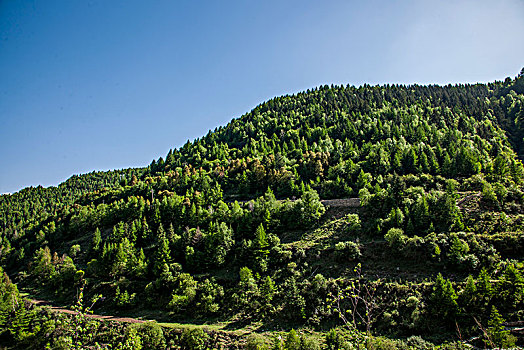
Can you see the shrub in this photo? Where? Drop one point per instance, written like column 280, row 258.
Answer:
column 309, row 343
column 347, row 250
column 194, row 339
column 353, row 250
column 380, row 343
column 395, row 238
column 416, row 342
column 132, row 340
column 292, row 341
column 488, row 194
column 93, row 267
column 74, row 250
column 151, row 335
column 256, row 342
column 333, row 340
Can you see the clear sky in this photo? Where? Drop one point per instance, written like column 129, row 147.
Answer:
column 98, row 85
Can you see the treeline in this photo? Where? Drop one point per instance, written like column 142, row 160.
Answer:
column 28, row 207
column 451, row 131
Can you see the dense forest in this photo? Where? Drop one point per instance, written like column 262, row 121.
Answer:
column 337, row 218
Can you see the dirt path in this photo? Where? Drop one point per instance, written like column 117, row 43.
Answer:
column 38, row 302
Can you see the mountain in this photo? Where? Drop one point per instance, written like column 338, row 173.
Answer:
column 390, row 210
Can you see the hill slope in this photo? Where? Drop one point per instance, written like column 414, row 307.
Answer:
column 231, row 226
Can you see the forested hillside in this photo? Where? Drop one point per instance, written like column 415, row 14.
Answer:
column 234, row 230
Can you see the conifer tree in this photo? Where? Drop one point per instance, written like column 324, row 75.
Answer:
column 444, row 300
column 163, row 253
column 97, row 239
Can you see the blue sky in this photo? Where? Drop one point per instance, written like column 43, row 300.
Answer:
column 98, row 85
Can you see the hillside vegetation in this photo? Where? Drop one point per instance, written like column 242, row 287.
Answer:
column 233, row 230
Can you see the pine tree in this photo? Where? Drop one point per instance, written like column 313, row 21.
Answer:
column 261, row 246
column 497, row 335
column 267, row 292
column 468, row 297
column 444, row 300
column 410, row 162
column 163, row 253
column 97, row 239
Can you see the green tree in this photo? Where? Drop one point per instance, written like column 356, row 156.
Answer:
column 163, row 253
column 247, row 290
column 261, row 246
column 43, row 268
column 311, row 209
column 396, row 238
column 97, row 240
column 292, row 341
column 496, row 333
column 410, row 162
column 267, row 292
column 443, row 299
column 184, row 292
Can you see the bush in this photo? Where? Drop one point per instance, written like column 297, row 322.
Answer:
column 93, row 267
column 347, row 250
column 292, row 341
column 353, row 250
column 333, row 340
column 416, row 342
column 277, row 344
column 340, row 246
column 74, row 250
column 194, row 339
column 395, row 238
column 488, row 194
column 132, row 340
column 151, row 335
column 256, row 342
column 380, row 343
column 309, row 343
